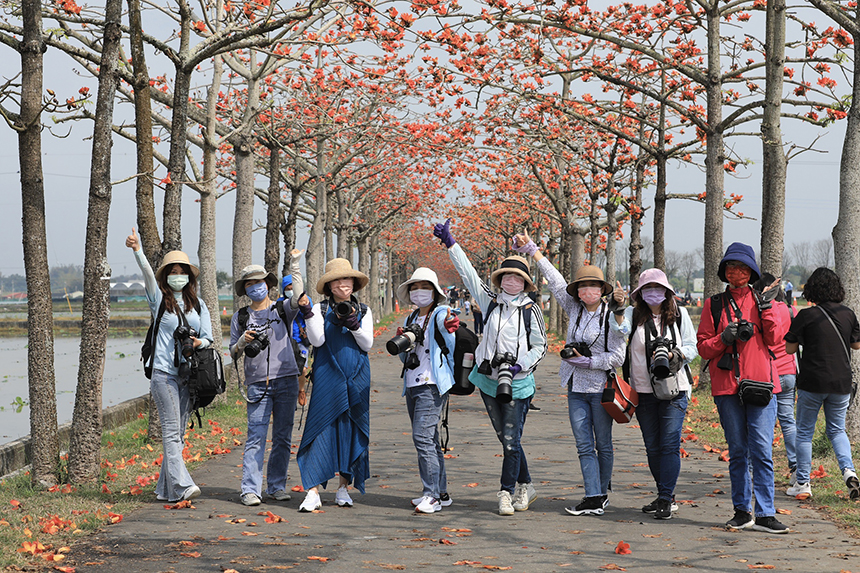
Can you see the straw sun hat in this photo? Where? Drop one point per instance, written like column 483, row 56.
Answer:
column 588, row 273
column 341, row 269
column 171, row 259
column 513, row 265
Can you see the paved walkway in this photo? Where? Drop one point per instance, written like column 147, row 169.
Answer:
column 382, row 532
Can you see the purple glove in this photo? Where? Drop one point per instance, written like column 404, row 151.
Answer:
column 528, row 249
column 352, row 321
column 305, row 309
column 443, row 233
column 580, row 361
column 516, row 369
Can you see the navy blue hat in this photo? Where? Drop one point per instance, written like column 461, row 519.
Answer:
column 743, row 254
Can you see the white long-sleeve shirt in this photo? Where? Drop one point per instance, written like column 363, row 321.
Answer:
column 316, row 329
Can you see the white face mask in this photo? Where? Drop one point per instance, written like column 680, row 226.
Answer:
column 422, row 297
column 177, row 282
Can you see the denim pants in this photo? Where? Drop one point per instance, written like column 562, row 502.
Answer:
column 279, row 404
column 174, row 408
column 785, row 415
column 425, row 405
column 592, row 430
column 661, row 422
column 749, row 433
column 508, row 421
column 835, row 407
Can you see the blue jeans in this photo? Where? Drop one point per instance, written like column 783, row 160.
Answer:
column 835, row 407
column 749, row 433
column 785, row 415
column 592, row 430
column 279, row 403
column 425, row 409
column 174, row 408
column 661, row 422
column 508, row 421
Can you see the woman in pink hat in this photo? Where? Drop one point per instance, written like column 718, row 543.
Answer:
column 654, row 313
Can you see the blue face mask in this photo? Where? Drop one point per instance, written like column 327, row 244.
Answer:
column 257, row 292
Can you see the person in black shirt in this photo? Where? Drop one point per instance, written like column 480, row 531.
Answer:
column 825, row 331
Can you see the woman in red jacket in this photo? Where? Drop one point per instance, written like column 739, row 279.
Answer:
column 736, row 328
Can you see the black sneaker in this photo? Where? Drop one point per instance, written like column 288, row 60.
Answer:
column 741, row 520
column 652, row 507
column 664, row 509
column 769, row 524
column 853, row 486
column 589, row 506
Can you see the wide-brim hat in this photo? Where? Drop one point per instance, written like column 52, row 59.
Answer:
column 254, row 272
column 420, row 274
column 513, row 265
column 588, row 273
column 651, row 276
column 341, row 269
column 743, row 254
column 172, row 258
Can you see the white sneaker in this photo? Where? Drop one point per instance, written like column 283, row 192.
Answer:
column 250, row 498
column 428, row 505
column 191, row 493
column 444, row 500
column 850, row 477
column 524, row 495
column 505, row 505
column 341, row 497
column 311, row 503
column 800, row 491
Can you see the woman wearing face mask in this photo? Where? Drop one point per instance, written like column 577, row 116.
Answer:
column 584, row 376
column 337, row 429
column 173, row 288
column 515, row 339
column 271, row 377
column 735, row 331
column 654, row 313
column 428, row 374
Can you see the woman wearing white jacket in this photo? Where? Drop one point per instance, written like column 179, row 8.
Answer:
column 514, row 343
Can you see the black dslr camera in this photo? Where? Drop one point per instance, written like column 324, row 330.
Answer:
column 256, row 346
column 412, row 336
column 183, row 335
column 746, row 330
column 581, row 347
column 659, row 349
column 503, row 361
column 342, row 310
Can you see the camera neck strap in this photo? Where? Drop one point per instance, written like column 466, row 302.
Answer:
column 651, row 331
column 579, row 317
column 733, row 307
column 182, row 322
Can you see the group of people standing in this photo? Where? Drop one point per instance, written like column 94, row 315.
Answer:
column 746, row 334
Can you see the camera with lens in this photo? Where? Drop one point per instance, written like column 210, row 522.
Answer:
column 503, row 361
column 412, row 336
column 581, row 347
column 659, row 349
column 183, row 335
column 342, row 310
column 746, row 330
column 256, row 346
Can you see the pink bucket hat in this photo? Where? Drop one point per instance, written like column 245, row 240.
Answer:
column 655, row 276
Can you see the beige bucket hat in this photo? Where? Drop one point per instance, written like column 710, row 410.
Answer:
column 253, row 272
column 588, row 273
column 341, row 269
column 171, row 259
column 515, row 265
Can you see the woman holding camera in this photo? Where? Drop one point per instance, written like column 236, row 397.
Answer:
column 172, row 296
column 659, row 329
column 825, row 381
column 593, row 349
column 337, row 429
column 428, row 374
column 263, row 332
column 514, row 343
column 735, row 331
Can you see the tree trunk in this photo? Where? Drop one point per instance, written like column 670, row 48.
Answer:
column 714, row 174
column 243, row 218
column 206, row 250
column 594, row 234
column 611, row 231
column 315, row 258
column 660, row 215
column 40, row 334
column 389, row 276
column 364, row 265
column 774, row 163
column 846, row 233
column 375, row 305
column 172, row 213
column 274, row 214
column 636, row 215
column 85, row 442
column 330, row 252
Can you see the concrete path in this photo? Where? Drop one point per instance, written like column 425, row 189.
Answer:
column 382, row 532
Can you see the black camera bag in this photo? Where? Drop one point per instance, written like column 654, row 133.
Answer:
column 755, row 393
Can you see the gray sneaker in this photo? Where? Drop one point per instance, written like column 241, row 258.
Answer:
column 250, row 498
column 524, row 495
column 281, row 495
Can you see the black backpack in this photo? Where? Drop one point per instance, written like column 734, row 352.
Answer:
column 205, row 376
column 149, row 343
column 465, row 342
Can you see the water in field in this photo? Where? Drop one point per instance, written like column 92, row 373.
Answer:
column 123, row 380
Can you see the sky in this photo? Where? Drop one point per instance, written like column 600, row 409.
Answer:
column 811, row 194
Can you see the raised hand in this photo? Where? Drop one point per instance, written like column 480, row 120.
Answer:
column 618, row 293
column 132, row 241
column 296, row 253
column 452, row 321
column 443, row 233
column 524, row 245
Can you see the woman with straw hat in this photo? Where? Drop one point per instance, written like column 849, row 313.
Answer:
column 172, row 296
column 514, row 343
column 584, row 374
column 337, row 429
